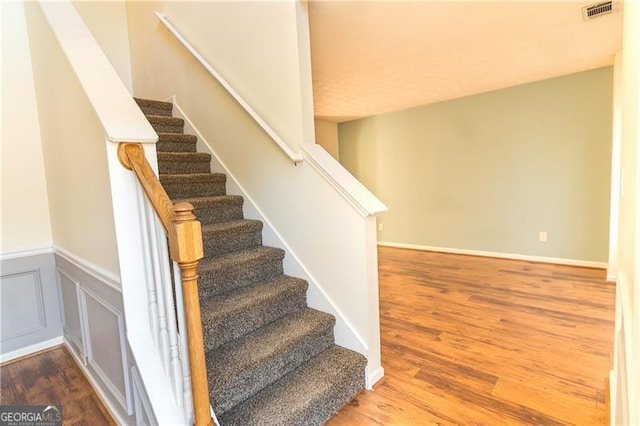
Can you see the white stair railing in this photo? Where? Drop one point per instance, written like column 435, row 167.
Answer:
column 164, row 306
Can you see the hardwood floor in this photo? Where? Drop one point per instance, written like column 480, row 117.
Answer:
column 465, row 340
column 53, row 378
column 481, row 341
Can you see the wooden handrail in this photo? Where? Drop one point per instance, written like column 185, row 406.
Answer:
column 185, row 247
column 131, row 155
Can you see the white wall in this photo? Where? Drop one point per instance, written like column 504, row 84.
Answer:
column 25, row 210
column 327, row 137
column 107, row 21
column 616, row 142
column 73, row 144
column 255, row 46
column 625, row 376
column 328, row 237
column 629, row 148
column 25, row 213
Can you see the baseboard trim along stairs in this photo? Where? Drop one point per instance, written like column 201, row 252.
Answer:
column 271, row 360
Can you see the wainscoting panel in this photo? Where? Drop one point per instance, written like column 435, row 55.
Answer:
column 71, row 324
column 94, row 328
column 105, row 345
column 22, row 295
column 29, row 304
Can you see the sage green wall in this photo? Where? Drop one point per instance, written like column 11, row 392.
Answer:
column 489, row 172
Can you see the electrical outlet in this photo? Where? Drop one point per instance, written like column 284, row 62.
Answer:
column 380, row 227
column 542, row 236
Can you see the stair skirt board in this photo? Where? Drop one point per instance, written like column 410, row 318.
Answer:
column 270, row 358
column 344, row 332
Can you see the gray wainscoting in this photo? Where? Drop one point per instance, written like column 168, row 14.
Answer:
column 29, row 305
column 94, row 330
column 47, row 299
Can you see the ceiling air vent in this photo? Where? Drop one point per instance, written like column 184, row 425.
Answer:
column 597, row 9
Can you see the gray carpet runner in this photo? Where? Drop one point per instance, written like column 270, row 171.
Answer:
column 271, row 360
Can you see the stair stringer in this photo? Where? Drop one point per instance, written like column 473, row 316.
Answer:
column 317, row 298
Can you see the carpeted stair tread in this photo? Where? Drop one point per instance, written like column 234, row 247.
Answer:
column 176, row 142
column 184, row 156
column 215, row 209
column 239, row 269
column 190, row 185
column 228, row 237
column 184, row 162
column 307, row 396
column 231, row 315
column 241, row 368
column 165, row 124
column 151, row 107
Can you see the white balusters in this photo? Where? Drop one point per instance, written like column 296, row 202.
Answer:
column 184, row 349
column 166, row 307
column 171, row 305
column 151, row 290
column 160, row 276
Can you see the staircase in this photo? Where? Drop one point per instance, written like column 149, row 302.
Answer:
column 271, row 360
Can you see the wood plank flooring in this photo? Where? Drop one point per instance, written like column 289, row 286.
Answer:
column 465, row 340
column 481, row 341
column 53, row 378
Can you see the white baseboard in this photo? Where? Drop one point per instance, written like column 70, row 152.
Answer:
column 17, row 254
column 542, row 259
column 96, row 387
column 373, row 377
column 28, row 350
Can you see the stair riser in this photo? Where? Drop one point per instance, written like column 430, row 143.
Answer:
column 184, row 167
column 220, row 281
column 225, row 395
column 167, row 128
column 177, row 191
column 221, row 242
column 221, row 330
column 223, row 212
column 341, row 394
column 151, row 103
column 175, row 147
column 149, row 110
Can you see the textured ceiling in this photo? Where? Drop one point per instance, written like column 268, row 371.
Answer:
column 371, row 57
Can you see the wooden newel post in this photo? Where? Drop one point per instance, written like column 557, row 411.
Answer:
column 185, row 245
